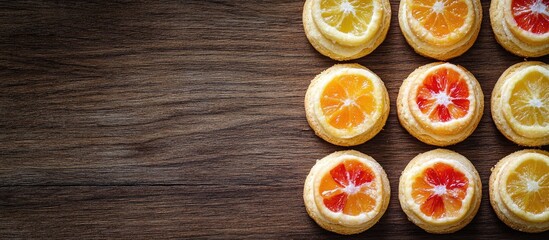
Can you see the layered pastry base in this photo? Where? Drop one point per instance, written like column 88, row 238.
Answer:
column 344, row 29
column 440, row 103
column 520, row 103
column 347, row 104
column 519, row 190
column 440, row 29
column 521, row 26
column 440, row 191
column 346, row 192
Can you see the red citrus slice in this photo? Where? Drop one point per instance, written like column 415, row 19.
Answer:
column 440, row 190
column 531, row 15
column 349, row 188
column 443, row 95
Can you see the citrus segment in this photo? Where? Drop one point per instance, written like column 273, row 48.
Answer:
column 443, row 95
column 349, row 188
column 528, row 186
column 439, row 17
column 347, row 101
column 348, row 22
column 531, row 15
column 439, row 190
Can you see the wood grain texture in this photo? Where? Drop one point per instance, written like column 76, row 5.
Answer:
column 185, row 119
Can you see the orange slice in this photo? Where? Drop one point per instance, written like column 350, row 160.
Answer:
column 525, row 189
column 347, row 101
column 440, row 190
column 349, row 188
column 443, row 95
column 346, row 104
column 440, row 21
column 348, row 22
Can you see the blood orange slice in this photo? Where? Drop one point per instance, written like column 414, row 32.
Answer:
column 443, row 95
column 529, row 20
column 346, row 192
column 531, row 15
column 349, row 188
column 440, row 190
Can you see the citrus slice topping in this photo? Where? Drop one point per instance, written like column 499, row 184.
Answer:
column 526, row 189
column 348, row 22
column 441, row 21
column 349, row 188
column 347, row 101
column 439, row 190
column 443, row 95
column 528, row 102
column 531, row 15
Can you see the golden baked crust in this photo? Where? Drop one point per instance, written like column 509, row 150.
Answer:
column 312, row 99
column 337, row 51
column 503, row 25
column 498, row 111
column 505, row 214
column 440, row 51
column 343, row 226
column 470, row 205
column 439, row 134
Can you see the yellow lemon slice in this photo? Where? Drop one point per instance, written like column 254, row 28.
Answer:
column 348, row 22
column 525, row 189
column 526, row 102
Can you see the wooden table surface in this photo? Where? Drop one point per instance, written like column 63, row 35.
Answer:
column 185, row 119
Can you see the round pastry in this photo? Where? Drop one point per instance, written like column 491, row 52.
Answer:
column 440, row 191
column 519, row 190
column 347, row 104
column 345, row 30
column 520, row 103
column 440, row 29
column 440, row 103
column 346, row 192
column 521, row 26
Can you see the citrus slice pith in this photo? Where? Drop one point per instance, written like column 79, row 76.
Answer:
column 443, row 95
column 441, row 21
column 528, row 103
column 526, row 189
column 531, row 15
column 440, row 190
column 349, row 188
column 348, row 22
column 347, row 101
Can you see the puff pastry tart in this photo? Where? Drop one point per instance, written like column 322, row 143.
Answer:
column 440, row 29
column 520, row 103
column 519, row 190
column 440, row 191
column 346, row 29
column 521, row 26
column 346, row 104
column 346, row 192
column 440, row 103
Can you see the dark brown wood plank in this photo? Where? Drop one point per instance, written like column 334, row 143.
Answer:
column 157, row 119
